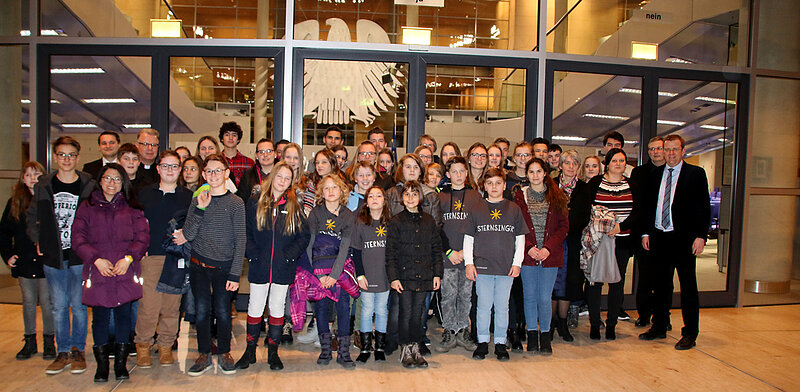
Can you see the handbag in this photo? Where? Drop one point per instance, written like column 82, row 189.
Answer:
column 604, row 268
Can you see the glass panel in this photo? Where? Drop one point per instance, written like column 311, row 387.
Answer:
column 773, row 232
column 467, row 23
column 774, row 159
column 704, row 114
column 374, row 96
column 778, row 35
column 214, row 90
column 91, row 94
column 693, row 31
column 177, row 18
column 15, row 19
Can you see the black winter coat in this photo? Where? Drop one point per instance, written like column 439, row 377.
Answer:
column 413, row 251
column 15, row 241
column 272, row 253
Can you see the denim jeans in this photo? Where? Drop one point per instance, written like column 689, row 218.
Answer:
column 35, row 291
column 208, row 284
column 493, row 290
column 322, row 310
column 101, row 323
column 411, row 307
column 65, row 292
column 456, row 299
column 537, row 287
column 377, row 304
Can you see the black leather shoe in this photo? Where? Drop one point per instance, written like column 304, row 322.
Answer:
column 481, row 351
column 652, row 335
column 594, row 333
column 501, row 352
column 642, row 322
column 685, row 343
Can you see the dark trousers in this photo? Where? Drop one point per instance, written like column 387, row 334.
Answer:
column 322, row 310
column 616, row 291
column 208, row 285
column 516, row 305
column 411, row 308
column 101, row 320
column 645, row 284
column 670, row 252
column 575, row 277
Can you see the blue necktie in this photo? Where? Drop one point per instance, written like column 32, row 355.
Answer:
column 665, row 207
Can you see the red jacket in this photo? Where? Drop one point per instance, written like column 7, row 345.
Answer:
column 555, row 232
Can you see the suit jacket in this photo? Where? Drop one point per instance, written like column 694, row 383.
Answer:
column 691, row 204
column 93, row 168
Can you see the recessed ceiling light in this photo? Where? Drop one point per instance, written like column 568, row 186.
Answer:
column 673, row 59
column 108, row 100
column 136, row 125
column 716, row 100
column 27, row 33
column 637, row 91
column 78, row 126
column 570, row 138
column 26, row 125
column 670, row 122
column 605, row 116
column 714, row 127
column 722, row 139
column 27, row 101
column 95, row 70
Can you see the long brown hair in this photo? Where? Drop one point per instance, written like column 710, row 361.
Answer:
column 20, row 195
column 365, row 215
column 266, row 204
column 553, row 194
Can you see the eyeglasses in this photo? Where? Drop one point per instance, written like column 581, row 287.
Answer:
column 190, row 168
column 148, row 145
column 62, row 155
column 366, row 153
column 672, row 149
column 115, row 180
column 265, row 152
column 521, row 155
column 168, row 166
column 655, row 148
column 214, row 171
column 476, row 155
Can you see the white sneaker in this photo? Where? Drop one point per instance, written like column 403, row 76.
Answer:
column 309, row 337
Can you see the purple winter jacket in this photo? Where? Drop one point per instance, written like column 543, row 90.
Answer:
column 110, row 230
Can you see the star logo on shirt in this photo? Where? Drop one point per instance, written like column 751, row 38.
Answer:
column 495, row 214
column 381, row 231
column 458, row 205
column 330, row 224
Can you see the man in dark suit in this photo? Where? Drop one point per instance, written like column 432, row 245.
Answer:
column 678, row 210
column 644, row 286
column 109, row 145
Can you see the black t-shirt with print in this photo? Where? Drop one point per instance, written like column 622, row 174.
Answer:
column 495, row 226
column 456, row 206
column 65, row 204
column 371, row 240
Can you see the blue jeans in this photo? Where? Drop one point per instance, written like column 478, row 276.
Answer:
column 537, row 287
column 208, row 284
column 493, row 290
column 65, row 292
column 377, row 304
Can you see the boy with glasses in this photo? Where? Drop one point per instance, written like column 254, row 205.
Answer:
column 55, row 200
column 250, row 183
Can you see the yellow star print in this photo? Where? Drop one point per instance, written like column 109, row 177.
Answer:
column 495, row 214
column 458, row 205
column 381, row 231
column 330, row 224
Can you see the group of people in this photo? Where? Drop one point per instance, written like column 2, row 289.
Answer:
column 500, row 241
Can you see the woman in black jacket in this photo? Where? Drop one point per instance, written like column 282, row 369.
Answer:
column 414, row 267
column 19, row 253
column 277, row 234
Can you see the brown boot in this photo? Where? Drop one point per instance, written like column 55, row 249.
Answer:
column 143, row 355
column 165, row 355
column 78, row 365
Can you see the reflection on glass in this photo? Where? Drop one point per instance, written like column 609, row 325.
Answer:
column 220, row 89
column 356, row 97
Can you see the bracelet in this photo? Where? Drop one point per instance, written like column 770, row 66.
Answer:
column 448, row 253
column 129, row 259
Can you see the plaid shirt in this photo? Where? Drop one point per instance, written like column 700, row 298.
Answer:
column 238, row 165
column 306, row 286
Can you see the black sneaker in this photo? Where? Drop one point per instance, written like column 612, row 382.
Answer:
column 424, row 350
column 226, row 363
column 201, row 365
column 481, row 351
column 501, row 352
column 623, row 316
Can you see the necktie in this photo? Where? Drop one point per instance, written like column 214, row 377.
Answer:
column 666, row 205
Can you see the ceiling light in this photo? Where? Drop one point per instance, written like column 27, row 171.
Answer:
column 714, row 127
column 716, row 100
column 26, row 125
column 416, row 35
column 644, row 51
column 673, row 59
column 722, row 139
column 637, row 91
column 27, row 33
column 605, row 116
column 108, row 100
column 669, row 122
column 136, row 125
column 77, row 70
column 570, row 138
column 27, row 101
column 165, row 28
column 78, row 126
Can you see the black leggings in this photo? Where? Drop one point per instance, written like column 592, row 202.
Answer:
column 411, row 308
column 616, row 291
column 101, row 318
